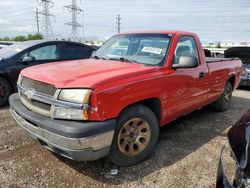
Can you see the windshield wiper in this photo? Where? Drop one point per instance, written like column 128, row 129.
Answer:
column 97, row 57
column 128, row 60
column 122, row 59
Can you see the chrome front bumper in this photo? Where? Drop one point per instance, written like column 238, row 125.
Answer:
column 78, row 148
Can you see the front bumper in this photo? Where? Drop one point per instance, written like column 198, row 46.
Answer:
column 77, row 140
column 222, row 180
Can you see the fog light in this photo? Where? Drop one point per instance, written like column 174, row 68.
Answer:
column 68, row 113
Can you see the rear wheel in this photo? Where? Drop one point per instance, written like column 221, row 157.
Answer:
column 5, row 91
column 135, row 136
column 224, row 102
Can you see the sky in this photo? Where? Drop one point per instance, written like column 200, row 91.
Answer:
column 213, row 20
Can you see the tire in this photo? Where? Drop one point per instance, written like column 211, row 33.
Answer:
column 5, row 91
column 135, row 137
column 224, row 102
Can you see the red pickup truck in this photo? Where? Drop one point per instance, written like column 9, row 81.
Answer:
column 114, row 103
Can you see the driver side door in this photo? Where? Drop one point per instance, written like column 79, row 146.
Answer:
column 188, row 85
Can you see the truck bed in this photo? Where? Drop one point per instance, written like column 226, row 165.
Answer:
column 216, row 60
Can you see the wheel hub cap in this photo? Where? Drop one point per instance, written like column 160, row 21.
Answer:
column 134, row 136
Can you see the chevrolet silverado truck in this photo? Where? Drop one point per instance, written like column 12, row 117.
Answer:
column 115, row 102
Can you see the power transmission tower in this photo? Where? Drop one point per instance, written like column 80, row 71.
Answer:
column 46, row 23
column 83, row 29
column 37, row 21
column 118, row 22
column 75, row 11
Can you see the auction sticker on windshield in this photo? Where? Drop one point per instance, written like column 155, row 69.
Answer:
column 152, row 50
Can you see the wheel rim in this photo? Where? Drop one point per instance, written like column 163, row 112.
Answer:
column 2, row 91
column 227, row 96
column 134, row 136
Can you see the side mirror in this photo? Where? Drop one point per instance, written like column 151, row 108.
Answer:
column 28, row 59
column 186, row 62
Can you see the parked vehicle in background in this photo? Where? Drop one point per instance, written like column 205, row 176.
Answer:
column 239, row 139
column 244, row 54
column 209, row 53
column 18, row 56
column 3, row 44
column 115, row 103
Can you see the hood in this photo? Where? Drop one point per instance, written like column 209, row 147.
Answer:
column 88, row 73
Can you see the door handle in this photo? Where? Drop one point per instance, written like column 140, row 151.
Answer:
column 201, row 74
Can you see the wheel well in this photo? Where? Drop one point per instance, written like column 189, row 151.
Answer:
column 153, row 104
column 232, row 81
column 6, row 79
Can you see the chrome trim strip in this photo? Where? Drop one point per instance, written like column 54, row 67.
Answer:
column 95, row 142
column 39, row 97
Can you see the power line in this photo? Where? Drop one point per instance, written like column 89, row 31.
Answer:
column 75, row 11
column 118, row 22
column 46, row 24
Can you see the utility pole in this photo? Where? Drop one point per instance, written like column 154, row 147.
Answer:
column 46, row 24
column 118, row 22
column 83, row 29
column 37, row 21
column 75, row 12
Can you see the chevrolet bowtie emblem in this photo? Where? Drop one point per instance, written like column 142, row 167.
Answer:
column 29, row 93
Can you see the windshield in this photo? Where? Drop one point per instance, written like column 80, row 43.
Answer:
column 148, row 49
column 9, row 51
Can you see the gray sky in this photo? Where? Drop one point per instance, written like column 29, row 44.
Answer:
column 213, row 20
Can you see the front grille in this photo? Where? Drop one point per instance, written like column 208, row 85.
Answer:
column 43, row 88
column 37, row 104
column 40, row 88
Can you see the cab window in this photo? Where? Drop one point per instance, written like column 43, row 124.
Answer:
column 186, row 46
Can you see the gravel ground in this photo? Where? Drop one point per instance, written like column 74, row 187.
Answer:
column 186, row 155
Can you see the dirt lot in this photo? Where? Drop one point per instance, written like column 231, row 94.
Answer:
column 186, row 155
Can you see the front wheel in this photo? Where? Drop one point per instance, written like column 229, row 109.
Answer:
column 135, row 136
column 5, row 91
column 224, row 102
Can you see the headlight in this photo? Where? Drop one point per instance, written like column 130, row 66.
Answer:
column 79, row 96
column 247, row 70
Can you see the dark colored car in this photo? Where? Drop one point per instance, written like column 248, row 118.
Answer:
column 244, row 54
column 4, row 44
column 239, row 138
column 18, row 56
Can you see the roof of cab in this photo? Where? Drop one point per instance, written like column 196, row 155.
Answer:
column 173, row 32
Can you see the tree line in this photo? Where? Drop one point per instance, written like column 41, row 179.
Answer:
column 21, row 38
